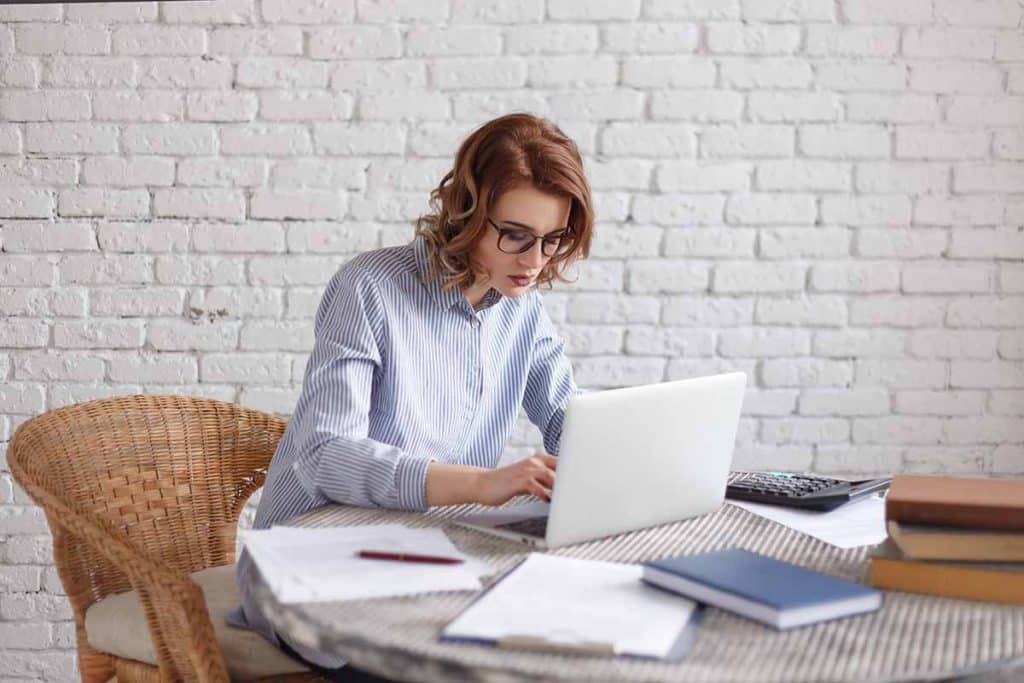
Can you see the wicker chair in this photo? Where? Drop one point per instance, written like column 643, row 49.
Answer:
column 139, row 493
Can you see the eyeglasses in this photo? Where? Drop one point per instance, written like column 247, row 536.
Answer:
column 519, row 240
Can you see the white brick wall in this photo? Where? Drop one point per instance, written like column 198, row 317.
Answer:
column 826, row 194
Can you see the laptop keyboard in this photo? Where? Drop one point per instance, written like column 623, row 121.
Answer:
column 532, row 526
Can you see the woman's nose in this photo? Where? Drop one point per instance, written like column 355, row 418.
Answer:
column 534, row 256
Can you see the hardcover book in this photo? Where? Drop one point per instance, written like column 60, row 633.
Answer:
column 995, row 582
column 969, row 502
column 771, row 591
column 922, row 542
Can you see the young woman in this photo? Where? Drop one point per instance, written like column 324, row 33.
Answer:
column 425, row 353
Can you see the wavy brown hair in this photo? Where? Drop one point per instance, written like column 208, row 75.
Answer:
column 509, row 151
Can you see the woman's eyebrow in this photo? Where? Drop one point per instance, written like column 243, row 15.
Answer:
column 527, row 227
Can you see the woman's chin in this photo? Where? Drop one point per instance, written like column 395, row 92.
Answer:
column 513, row 291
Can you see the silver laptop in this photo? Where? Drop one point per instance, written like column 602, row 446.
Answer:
column 632, row 458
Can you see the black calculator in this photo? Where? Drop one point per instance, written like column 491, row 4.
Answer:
column 806, row 491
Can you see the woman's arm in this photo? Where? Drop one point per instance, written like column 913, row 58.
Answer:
column 452, row 484
column 550, row 384
column 335, row 457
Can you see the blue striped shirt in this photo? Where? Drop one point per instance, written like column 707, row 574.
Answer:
column 403, row 373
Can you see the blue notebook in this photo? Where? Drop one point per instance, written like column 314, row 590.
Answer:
column 771, row 591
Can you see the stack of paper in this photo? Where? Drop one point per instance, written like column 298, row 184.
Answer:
column 320, row 565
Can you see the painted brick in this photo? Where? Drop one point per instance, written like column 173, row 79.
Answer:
column 822, row 194
column 644, row 38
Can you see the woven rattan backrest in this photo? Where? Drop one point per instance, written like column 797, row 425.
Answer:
column 172, row 472
column 161, row 477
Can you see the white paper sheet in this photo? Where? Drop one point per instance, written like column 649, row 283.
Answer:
column 569, row 601
column 852, row 525
column 320, row 564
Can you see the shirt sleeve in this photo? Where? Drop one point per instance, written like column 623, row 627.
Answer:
column 335, row 457
column 550, row 384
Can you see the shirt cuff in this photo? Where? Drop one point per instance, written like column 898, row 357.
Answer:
column 553, row 434
column 411, row 482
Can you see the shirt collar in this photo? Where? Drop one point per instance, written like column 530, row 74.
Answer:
column 445, row 298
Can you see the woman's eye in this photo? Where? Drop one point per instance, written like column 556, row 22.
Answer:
column 517, row 237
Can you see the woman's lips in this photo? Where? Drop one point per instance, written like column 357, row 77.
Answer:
column 520, row 281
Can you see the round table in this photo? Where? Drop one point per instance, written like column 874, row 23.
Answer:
column 913, row 637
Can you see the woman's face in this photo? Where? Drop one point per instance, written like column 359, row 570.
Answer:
column 521, row 208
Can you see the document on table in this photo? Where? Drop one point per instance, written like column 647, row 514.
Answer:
column 585, row 606
column 861, row 522
column 321, row 564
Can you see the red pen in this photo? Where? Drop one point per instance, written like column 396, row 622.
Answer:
column 406, row 557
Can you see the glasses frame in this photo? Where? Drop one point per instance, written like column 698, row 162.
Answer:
column 560, row 234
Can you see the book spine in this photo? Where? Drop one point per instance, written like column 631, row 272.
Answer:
column 946, row 580
column 962, row 516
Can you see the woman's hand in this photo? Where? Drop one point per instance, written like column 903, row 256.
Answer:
column 534, row 475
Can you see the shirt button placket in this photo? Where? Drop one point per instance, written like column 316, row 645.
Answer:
column 469, row 361
column 475, row 366
column 471, row 402
column 480, row 358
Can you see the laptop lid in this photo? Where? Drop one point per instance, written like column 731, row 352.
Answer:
column 640, row 456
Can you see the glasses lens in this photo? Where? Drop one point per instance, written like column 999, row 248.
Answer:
column 558, row 245
column 514, row 241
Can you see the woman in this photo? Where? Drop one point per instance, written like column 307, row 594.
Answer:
column 424, row 353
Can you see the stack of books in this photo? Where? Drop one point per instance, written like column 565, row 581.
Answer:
column 958, row 537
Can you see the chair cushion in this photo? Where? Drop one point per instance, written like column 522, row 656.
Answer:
column 117, row 624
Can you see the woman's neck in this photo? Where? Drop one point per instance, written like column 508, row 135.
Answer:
column 475, row 294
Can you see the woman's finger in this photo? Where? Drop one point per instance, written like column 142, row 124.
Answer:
column 549, row 460
column 538, row 490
